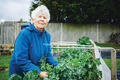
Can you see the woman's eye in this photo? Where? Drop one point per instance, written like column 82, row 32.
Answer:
column 40, row 16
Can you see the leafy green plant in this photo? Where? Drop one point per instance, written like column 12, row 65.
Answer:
column 84, row 41
column 76, row 65
column 115, row 38
column 31, row 75
column 15, row 77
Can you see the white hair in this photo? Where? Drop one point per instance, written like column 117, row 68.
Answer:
column 41, row 10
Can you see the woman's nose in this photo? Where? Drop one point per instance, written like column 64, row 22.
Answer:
column 42, row 19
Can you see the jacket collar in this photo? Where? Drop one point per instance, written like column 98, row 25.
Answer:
column 32, row 28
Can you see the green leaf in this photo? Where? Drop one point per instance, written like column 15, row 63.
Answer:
column 15, row 77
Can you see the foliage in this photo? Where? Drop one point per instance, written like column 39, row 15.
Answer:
column 115, row 38
column 81, row 11
column 15, row 77
column 30, row 75
column 84, row 41
column 116, row 46
column 76, row 65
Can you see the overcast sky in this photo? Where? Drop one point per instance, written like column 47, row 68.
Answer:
column 14, row 10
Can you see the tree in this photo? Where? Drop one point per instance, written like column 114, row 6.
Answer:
column 62, row 10
column 81, row 11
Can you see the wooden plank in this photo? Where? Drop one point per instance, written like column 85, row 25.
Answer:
column 2, row 34
column 113, row 65
column 9, row 32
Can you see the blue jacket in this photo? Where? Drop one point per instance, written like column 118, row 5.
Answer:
column 30, row 45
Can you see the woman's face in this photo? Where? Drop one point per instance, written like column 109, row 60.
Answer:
column 40, row 21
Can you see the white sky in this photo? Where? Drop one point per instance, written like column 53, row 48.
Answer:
column 14, row 10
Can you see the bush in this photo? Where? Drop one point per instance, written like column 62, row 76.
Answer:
column 115, row 38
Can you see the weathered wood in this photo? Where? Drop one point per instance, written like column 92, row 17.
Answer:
column 9, row 32
column 113, row 65
column 58, row 50
column 52, row 49
column 93, row 52
column 71, row 32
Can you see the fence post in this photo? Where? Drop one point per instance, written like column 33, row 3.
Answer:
column 93, row 52
column 57, row 50
column 113, row 64
column 51, row 49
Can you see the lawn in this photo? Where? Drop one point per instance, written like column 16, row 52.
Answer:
column 108, row 62
column 116, row 46
column 4, row 62
column 4, row 75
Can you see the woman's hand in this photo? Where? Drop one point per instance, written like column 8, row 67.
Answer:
column 43, row 74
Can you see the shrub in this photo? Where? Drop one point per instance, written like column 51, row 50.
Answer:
column 115, row 38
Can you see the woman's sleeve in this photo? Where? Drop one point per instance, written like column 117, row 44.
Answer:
column 21, row 53
column 50, row 59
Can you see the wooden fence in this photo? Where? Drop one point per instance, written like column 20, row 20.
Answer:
column 62, row 31
column 9, row 32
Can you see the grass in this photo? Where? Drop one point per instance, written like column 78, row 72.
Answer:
column 4, row 75
column 108, row 62
column 4, row 62
column 116, row 46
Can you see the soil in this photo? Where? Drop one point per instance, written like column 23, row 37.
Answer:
column 3, row 68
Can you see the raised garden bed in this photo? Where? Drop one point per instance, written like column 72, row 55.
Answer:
column 77, row 64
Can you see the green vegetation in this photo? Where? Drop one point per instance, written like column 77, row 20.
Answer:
column 4, row 75
column 116, row 46
column 4, row 62
column 108, row 63
column 81, row 11
column 73, row 64
column 84, row 41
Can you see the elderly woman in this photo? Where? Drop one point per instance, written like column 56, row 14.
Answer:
column 30, row 45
